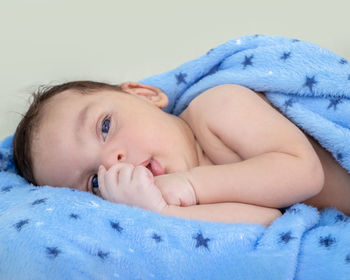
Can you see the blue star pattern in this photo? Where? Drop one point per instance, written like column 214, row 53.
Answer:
column 341, row 218
column 347, row 259
column 102, row 255
column 201, row 241
column 74, row 216
column 334, row 101
column 181, row 78
column 214, row 69
column 39, row 201
column 139, row 233
column 52, row 252
column 247, row 61
column 339, row 156
column 343, row 61
column 6, row 189
column 310, row 82
column 327, row 241
column 6, row 161
column 285, row 56
column 18, row 226
column 116, row 226
column 157, row 238
column 285, row 237
column 288, row 103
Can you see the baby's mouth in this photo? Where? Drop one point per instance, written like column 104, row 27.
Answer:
column 155, row 167
column 149, row 167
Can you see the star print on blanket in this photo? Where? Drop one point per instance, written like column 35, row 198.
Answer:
column 60, row 233
column 309, row 84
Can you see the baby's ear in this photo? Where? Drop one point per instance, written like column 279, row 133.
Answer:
column 153, row 94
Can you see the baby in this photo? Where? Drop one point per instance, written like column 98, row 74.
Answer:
column 229, row 157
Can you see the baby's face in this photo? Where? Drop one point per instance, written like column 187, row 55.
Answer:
column 79, row 132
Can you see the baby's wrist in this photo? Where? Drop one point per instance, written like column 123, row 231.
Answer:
column 163, row 209
column 189, row 177
column 168, row 210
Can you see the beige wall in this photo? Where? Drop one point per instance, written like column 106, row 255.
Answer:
column 43, row 41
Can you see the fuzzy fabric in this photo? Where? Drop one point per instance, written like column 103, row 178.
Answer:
column 309, row 84
column 60, row 233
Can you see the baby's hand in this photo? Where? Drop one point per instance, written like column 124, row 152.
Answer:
column 124, row 183
column 176, row 189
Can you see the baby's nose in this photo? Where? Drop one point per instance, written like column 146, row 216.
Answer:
column 112, row 158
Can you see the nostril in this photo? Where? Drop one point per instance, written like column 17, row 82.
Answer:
column 119, row 157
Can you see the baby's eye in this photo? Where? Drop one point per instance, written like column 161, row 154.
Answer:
column 94, row 184
column 105, row 127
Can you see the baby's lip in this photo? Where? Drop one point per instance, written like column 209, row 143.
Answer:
column 154, row 166
column 145, row 163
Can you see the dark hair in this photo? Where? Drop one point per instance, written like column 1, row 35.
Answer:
column 23, row 137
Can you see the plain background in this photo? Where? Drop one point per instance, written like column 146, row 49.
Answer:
column 48, row 42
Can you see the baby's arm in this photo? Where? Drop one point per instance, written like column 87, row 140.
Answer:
column 224, row 212
column 124, row 183
column 277, row 167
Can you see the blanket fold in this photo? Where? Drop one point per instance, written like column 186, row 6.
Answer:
column 309, row 84
column 60, row 233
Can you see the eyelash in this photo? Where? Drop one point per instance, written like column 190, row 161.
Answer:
column 101, row 128
column 107, row 118
column 92, row 184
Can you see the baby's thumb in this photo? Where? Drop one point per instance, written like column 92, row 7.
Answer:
column 101, row 178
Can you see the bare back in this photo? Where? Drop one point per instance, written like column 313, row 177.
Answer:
column 336, row 190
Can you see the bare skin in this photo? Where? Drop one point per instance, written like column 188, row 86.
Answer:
column 70, row 149
column 335, row 191
column 205, row 159
column 336, row 188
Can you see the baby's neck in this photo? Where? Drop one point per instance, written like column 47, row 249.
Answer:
column 202, row 158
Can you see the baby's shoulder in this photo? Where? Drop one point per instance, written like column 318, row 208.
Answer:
column 218, row 106
column 219, row 92
column 221, row 98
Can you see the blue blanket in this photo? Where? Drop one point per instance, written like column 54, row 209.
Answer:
column 309, row 84
column 60, row 233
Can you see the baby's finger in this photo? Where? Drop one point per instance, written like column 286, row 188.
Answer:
column 143, row 174
column 101, row 180
column 125, row 173
column 112, row 175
